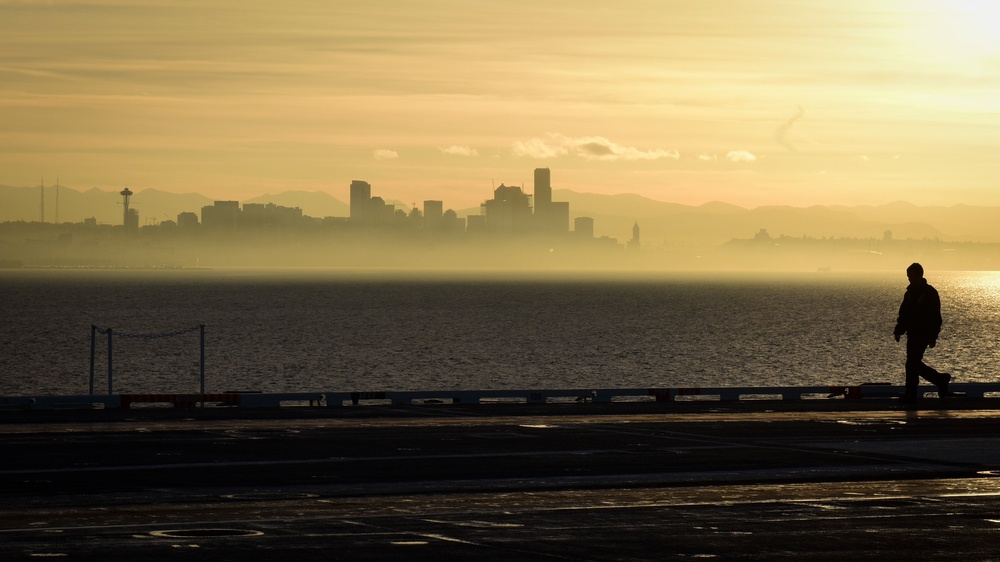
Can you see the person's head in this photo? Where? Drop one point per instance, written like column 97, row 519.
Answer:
column 915, row 272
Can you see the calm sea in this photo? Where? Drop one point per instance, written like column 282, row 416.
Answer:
column 347, row 331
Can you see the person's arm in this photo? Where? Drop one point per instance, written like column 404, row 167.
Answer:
column 900, row 328
column 934, row 317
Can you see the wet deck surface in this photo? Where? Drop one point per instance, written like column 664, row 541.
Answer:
column 765, row 481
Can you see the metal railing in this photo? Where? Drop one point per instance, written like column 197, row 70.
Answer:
column 524, row 396
column 94, row 330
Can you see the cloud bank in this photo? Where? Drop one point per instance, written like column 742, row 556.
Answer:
column 456, row 150
column 740, row 156
column 386, row 154
column 590, row 148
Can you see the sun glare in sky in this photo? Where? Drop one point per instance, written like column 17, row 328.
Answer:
column 749, row 102
column 963, row 31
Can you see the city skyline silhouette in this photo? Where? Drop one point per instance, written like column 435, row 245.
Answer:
column 514, row 228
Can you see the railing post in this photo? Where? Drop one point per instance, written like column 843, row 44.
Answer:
column 93, row 348
column 202, row 327
column 109, row 363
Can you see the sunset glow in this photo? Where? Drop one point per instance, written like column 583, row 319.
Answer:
column 753, row 103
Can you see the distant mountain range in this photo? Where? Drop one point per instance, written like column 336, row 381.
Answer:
column 667, row 224
column 24, row 203
column 661, row 223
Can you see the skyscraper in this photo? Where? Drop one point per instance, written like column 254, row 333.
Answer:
column 633, row 244
column 550, row 217
column 361, row 194
column 543, row 190
column 433, row 215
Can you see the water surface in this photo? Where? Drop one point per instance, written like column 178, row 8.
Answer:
column 334, row 331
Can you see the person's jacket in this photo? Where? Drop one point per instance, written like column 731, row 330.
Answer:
column 920, row 312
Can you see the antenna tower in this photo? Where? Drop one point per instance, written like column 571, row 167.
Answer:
column 42, row 190
column 125, row 193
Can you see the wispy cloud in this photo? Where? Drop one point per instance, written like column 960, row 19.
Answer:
column 590, row 148
column 457, row 150
column 781, row 134
column 386, row 154
column 740, row 156
column 538, row 148
column 784, row 133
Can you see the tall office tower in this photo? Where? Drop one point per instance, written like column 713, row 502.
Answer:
column 543, row 189
column 633, row 244
column 361, row 194
column 583, row 227
column 433, row 209
column 433, row 215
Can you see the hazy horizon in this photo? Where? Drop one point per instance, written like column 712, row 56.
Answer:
column 749, row 103
column 341, row 195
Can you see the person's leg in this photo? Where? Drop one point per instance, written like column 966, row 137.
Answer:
column 915, row 348
column 917, row 369
column 933, row 376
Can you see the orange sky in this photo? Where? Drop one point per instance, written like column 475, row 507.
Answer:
column 749, row 102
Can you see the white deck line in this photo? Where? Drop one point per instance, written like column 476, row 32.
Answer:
column 529, row 396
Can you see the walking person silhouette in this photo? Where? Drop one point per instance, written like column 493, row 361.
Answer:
column 920, row 319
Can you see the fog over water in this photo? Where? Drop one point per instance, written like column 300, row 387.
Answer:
column 348, row 330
